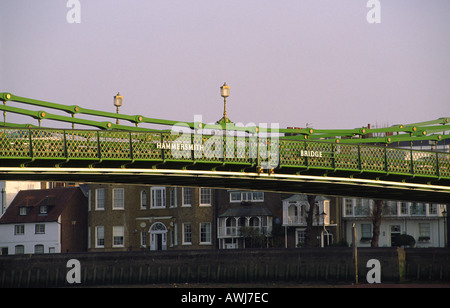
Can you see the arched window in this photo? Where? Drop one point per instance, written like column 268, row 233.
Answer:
column 38, row 249
column 19, row 249
column 158, row 226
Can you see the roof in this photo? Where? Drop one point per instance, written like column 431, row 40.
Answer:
column 243, row 211
column 55, row 199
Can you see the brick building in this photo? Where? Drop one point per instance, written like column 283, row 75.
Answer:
column 136, row 217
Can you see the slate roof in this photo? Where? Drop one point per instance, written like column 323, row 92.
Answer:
column 55, row 199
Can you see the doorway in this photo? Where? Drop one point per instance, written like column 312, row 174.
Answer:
column 395, row 233
column 158, row 236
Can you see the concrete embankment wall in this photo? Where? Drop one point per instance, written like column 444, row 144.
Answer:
column 329, row 265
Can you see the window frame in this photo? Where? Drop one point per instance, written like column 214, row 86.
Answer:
column 99, row 206
column 118, row 201
column 206, row 234
column 153, row 196
column 187, row 234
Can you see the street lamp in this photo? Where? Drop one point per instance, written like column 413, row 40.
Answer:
column 118, row 101
column 224, row 92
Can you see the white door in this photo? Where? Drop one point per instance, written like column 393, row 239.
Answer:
column 158, row 236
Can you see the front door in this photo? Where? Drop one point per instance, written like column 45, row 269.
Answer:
column 158, row 236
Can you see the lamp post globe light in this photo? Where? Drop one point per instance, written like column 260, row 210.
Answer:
column 224, row 92
column 118, row 101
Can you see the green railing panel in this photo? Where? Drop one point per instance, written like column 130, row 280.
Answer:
column 114, row 145
column 15, row 143
column 48, row 144
column 347, row 157
column 213, row 148
column 424, row 163
column 398, row 161
column 82, row 144
column 237, row 150
column 319, row 154
column 125, row 146
column 290, row 153
column 173, row 146
column 144, row 146
column 372, row 158
column 444, row 164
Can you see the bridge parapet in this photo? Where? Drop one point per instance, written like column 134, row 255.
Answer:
column 51, row 147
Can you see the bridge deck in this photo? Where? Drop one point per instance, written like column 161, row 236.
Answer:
column 232, row 162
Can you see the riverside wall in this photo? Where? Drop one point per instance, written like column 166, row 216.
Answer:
column 321, row 265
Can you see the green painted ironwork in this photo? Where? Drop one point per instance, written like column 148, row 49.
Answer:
column 435, row 130
column 351, row 151
column 99, row 146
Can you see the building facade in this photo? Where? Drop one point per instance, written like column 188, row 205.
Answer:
column 324, row 232
column 130, row 218
column 45, row 221
column 248, row 219
column 425, row 222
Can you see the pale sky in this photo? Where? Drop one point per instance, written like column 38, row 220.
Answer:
column 290, row 62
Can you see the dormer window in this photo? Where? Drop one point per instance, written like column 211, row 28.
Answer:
column 22, row 211
column 43, row 210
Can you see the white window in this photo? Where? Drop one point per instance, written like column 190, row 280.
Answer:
column 19, row 229
column 100, row 237
column 205, row 233
column 158, row 197
column 118, row 199
column 348, row 207
column 300, row 237
column 173, row 233
column 19, row 250
column 39, row 229
column 43, row 210
column 235, row 196
column 187, row 234
column 366, row 231
column 205, row 196
column 404, row 208
column 39, row 249
column 433, row 209
column 22, row 211
column 143, row 239
column 118, row 236
column 173, row 197
column 143, row 200
column 246, row 196
column 362, row 207
column 187, row 196
column 424, row 232
column 100, row 199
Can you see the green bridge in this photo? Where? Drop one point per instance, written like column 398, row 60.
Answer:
column 359, row 162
